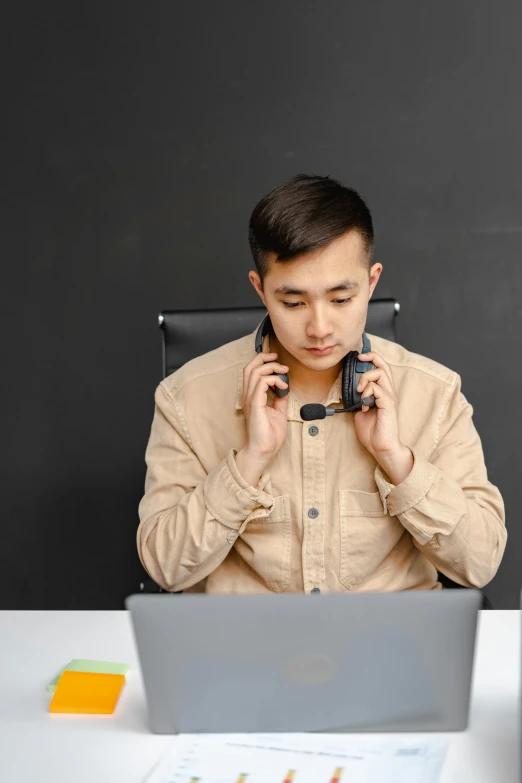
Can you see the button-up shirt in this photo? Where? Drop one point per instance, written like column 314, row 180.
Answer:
column 324, row 515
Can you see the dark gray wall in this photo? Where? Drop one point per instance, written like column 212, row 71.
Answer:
column 139, row 137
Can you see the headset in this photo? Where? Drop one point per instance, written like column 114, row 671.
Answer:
column 353, row 368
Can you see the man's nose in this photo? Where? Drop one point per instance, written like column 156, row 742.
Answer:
column 319, row 325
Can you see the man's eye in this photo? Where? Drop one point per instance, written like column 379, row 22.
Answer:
column 293, row 305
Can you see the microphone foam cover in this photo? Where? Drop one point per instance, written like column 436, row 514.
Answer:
column 313, row 411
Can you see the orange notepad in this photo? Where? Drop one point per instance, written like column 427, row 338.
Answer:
column 87, row 692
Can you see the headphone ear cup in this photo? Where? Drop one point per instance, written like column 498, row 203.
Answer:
column 350, row 379
column 356, row 378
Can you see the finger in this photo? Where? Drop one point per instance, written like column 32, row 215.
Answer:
column 259, row 395
column 374, row 375
column 281, row 403
column 367, row 392
column 369, row 402
column 375, row 359
column 266, row 369
column 382, row 396
column 257, row 361
column 378, row 362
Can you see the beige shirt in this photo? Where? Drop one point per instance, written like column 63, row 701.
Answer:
column 324, row 515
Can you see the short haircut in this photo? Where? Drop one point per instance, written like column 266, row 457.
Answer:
column 305, row 213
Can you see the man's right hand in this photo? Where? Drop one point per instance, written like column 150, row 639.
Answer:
column 266, row 426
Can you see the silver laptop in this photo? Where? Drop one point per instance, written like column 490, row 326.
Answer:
column 295, row 662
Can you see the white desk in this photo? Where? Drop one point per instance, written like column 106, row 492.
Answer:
column 38, row 746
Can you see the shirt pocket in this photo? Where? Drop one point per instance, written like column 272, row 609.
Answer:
column 368, row 534
column 265, row 546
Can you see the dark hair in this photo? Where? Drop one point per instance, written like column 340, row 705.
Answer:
column 305, row 213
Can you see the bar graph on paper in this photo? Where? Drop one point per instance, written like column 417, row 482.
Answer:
column 284, row 759
column 289, row 777
column 261, row 770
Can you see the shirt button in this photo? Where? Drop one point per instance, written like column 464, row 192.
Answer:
column 313, row 513
column 315, row 590
column 313, row 430
column 231, row 538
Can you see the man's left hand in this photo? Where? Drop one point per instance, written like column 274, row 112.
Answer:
column 378, row 428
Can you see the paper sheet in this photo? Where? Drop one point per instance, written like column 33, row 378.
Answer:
column 298, row 758
column 88, row 665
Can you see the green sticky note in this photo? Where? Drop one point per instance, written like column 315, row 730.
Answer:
column 82, row 665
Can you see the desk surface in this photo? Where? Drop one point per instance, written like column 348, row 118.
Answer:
column 38, row 746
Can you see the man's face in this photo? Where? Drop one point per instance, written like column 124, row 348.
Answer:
column 305, row 310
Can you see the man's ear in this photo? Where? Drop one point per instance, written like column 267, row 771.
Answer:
column 256, row 282
column 375, row 273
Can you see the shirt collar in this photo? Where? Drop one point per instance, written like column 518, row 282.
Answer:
column 334, row 396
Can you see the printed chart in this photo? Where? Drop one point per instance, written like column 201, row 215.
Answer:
column 298, row 759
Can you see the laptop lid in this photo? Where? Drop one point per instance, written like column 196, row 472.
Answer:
column 296, row 662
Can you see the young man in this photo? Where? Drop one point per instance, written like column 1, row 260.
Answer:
column 243, row 496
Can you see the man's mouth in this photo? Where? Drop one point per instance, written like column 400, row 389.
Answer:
column 321, row 351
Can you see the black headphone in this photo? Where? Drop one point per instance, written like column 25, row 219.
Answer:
column 353, row 368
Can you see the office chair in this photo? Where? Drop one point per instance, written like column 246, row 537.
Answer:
column 191, row 333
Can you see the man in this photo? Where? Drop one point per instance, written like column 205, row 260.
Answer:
column 242, row 496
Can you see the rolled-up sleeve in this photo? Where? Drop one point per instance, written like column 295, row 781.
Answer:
column 190, row 518
column 454, row 514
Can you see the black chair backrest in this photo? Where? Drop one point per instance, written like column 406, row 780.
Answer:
column 191, row 333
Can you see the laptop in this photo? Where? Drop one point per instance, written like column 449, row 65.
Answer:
column 370, row 662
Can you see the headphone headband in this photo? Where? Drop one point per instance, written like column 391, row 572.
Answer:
column 264, row 328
